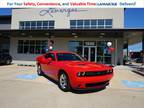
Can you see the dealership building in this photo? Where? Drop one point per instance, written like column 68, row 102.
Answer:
column 86, row 31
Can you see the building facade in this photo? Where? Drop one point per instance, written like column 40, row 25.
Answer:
column 91, row 45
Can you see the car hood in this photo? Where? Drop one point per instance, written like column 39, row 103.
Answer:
column 85, row 65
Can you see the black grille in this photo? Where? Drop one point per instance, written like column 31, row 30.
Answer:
column 97, row 84
column 97, row 73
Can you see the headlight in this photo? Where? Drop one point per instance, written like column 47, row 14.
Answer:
column 81, row 74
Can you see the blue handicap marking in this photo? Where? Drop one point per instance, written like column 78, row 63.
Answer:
column 133, row 84
column 27, row 76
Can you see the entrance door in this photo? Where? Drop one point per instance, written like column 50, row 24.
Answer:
column 89, row 52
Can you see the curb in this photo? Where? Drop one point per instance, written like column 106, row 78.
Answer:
column 30, row 65
column 141, row 72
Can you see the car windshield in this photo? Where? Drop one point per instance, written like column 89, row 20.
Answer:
column 68, row 57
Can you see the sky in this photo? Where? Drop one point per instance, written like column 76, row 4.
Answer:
column 134, row 18
column 5, row 11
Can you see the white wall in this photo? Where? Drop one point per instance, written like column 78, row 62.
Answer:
column 62, row 20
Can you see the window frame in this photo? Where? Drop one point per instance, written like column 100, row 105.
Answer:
column 37, row 48
column 53, row 59
column 89, row 24
column 36, row 25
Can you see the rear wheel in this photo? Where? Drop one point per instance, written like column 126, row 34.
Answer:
column 64, row 84
column 39, row 71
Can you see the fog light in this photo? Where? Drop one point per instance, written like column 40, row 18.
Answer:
column 109, row 71
column 81, row 74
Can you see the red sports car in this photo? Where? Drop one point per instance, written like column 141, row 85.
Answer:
column 72, row 71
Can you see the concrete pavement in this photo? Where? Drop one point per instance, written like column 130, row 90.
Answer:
column 39, row 92
column 137, row 67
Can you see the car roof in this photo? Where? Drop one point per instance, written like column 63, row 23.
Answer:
column 59, row 51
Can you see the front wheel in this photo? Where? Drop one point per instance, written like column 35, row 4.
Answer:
column 64, row 84
column 39, row 71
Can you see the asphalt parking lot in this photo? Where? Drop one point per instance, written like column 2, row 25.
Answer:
column 20, row 87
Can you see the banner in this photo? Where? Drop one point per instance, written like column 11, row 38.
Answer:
column 72, row 4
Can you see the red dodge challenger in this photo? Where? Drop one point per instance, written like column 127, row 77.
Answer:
column 71, row 71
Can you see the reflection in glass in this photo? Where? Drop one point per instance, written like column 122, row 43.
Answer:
column 103, row 54
column 107, row 60
column 75, row 46
column 86, row 53
column 100, row 51
column 92, row 54
column 100, row 59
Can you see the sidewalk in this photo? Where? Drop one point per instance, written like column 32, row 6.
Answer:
column 24, row 63
column 125, row 79
column 137, row 67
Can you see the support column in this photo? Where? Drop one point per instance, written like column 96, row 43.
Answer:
column 143, row 47
column 127, row 52
column 115, row 54
column 143, row 42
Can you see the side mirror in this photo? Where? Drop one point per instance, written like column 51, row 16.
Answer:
column 49, row 60
column 44, row 61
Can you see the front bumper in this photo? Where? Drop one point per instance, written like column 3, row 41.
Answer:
column 90, row 82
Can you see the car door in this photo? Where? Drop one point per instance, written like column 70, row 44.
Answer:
column 49, row 68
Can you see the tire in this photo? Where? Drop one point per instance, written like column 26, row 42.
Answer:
column 39, row 71
column 8, row 62
column 63, row 82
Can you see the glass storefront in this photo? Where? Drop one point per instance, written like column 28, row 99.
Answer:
column 32, row 46
column 103, row 54
column 96, row 51
column 76, row 46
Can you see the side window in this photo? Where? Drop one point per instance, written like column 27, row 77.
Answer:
column 50, row 55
